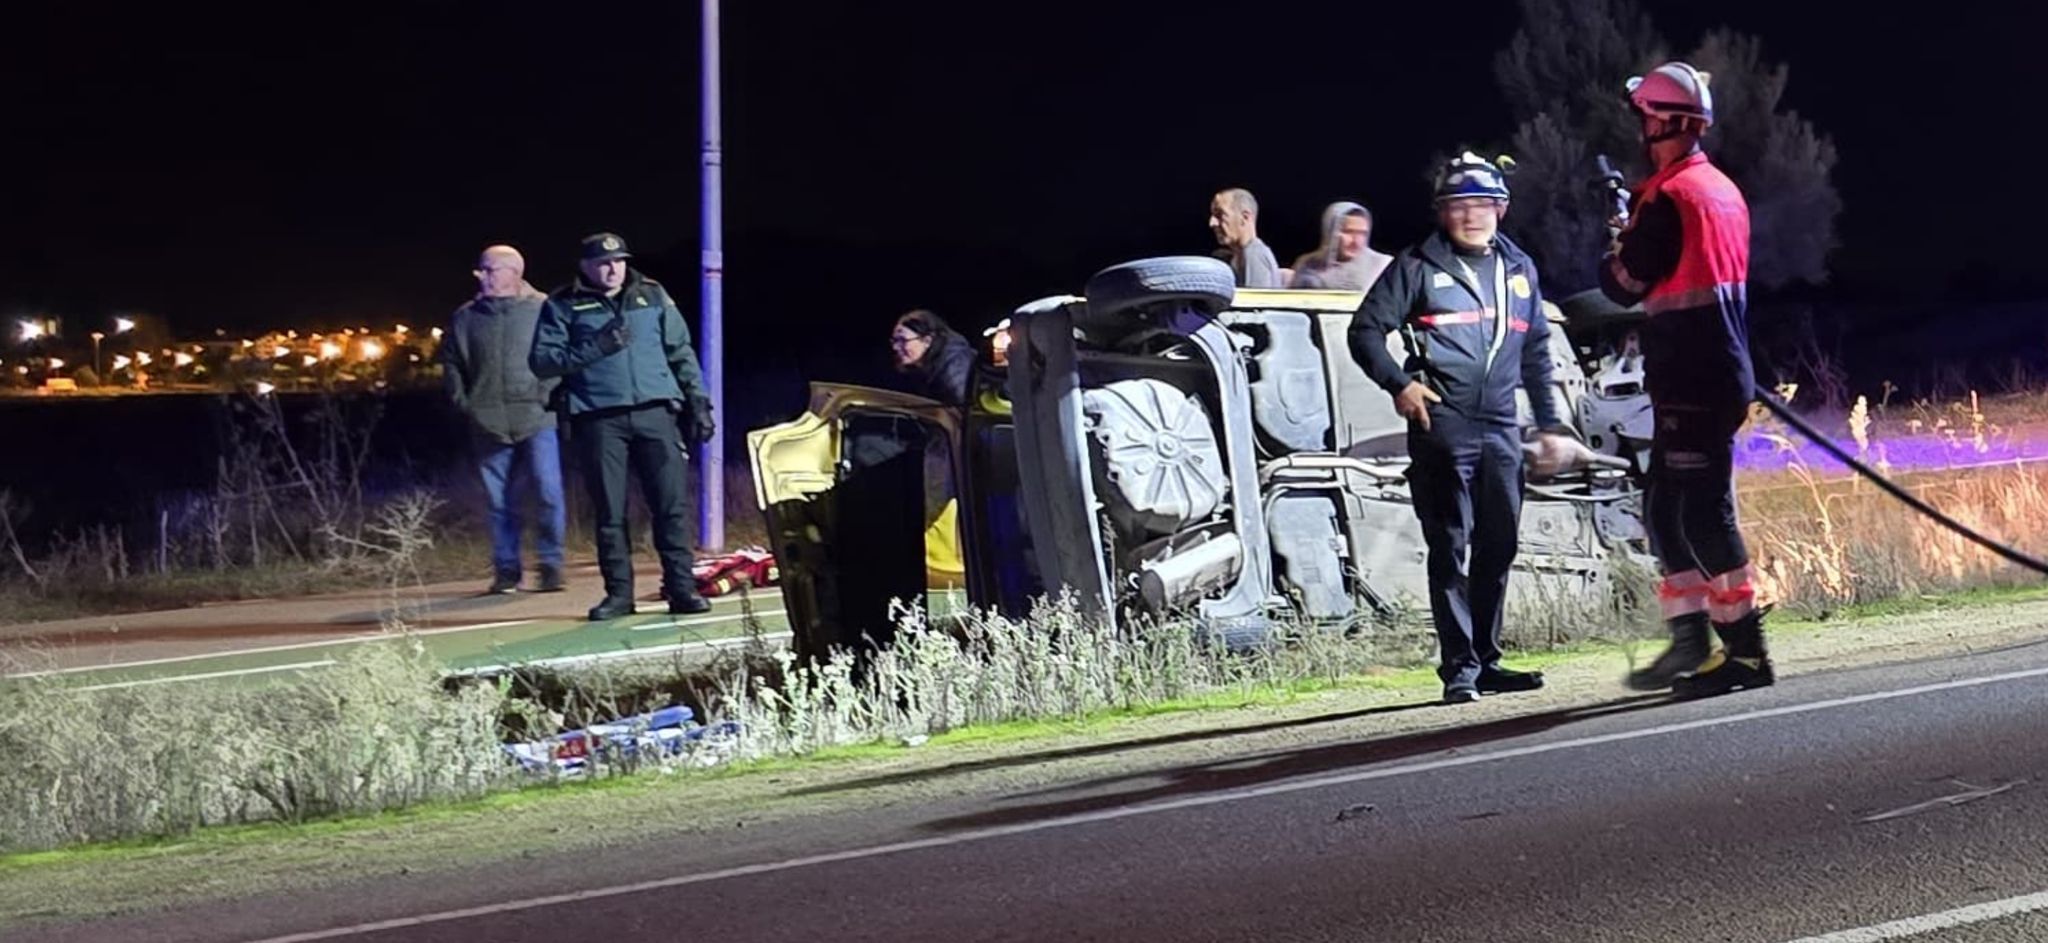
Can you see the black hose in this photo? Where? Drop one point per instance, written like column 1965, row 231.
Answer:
column 1782, row 411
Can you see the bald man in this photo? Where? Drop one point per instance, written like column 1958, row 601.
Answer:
column 484, row 357
column 1234, row 221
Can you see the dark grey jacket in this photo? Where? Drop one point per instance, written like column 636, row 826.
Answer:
column 658, row 363
column 483, row 355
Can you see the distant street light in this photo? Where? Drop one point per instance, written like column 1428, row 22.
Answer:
column 264, row 388
column 121, row 361
column 329, row 350
column 372, row 350
column 123, row 325
column 30, row 330
column 96, row 338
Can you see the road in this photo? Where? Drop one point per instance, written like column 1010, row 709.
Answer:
column 1911, row 797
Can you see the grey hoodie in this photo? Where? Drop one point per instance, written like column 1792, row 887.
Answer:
column 484, row 354
column 1321, row 269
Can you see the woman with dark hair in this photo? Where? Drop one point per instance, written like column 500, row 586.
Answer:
column 936, row 355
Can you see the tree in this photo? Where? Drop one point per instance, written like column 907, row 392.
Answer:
column 1562, row 76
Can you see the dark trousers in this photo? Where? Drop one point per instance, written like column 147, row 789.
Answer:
column 1689, row 497
column 645, row 442
column 1466, row 479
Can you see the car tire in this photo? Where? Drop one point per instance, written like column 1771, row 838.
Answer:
column 1206, row 283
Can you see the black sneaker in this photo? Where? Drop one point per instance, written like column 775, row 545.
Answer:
column 504, row 584
column 687, row 603
column 551, row 580
column 613, row 607
column 1497, row 680
column 1460, row 694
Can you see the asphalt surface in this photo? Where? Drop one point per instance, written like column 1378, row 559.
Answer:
column 1829, row 803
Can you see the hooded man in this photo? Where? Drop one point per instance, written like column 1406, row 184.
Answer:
column 483, row 357
column 1346, row 260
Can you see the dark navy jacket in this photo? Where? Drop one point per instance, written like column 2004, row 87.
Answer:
column 1450, row 326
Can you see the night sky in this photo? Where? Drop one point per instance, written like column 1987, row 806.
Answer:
column 341, row 164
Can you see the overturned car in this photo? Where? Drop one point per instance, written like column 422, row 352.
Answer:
column 1164, row 445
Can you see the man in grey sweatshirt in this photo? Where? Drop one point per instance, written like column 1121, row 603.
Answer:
column 1345, row 260
column 484, row 359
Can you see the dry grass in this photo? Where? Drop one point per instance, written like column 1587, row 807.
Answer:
column 1824, row 538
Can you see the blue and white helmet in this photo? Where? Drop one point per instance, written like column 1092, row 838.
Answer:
column 1469, row 175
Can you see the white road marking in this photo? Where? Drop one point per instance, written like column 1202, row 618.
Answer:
column 171, row 679
column 704, row 620
column 1189, row 802
column 1947, row 919
column 295, row 646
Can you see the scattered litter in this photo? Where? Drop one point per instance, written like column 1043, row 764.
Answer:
column 1358, row 811
column 753, row 566
column 1480, row 815
column 666, row 734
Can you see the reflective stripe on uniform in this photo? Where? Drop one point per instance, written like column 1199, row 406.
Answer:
column 1454, row 317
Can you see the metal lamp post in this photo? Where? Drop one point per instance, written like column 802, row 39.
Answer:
column 711, row 474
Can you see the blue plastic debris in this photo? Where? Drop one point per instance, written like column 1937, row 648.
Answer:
column 664, row 733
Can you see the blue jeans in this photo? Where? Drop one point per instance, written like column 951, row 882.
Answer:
column 538, row 460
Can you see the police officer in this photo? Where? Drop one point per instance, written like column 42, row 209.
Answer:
column 630, row 378
column 1466, row 302
column 1684, row 255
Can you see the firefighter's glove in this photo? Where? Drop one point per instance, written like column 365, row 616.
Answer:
column 1413, row 403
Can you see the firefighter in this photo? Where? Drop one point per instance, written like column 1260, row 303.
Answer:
column 1467, row 305
column 1684, row 255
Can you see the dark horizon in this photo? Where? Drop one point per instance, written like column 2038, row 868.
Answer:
column 343, row 167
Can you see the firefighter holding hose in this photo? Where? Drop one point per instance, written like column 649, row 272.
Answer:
column 1683, row 253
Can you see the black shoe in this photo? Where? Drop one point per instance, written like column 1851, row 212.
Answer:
column 1499, row 680
column 687, row 604
column 1460, row 694
column 551, row 580
column 613, row 607
column 1726, row 675
column 504, row 583
column 1690, row 647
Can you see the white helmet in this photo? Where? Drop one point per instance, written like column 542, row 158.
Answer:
column 1673, row 90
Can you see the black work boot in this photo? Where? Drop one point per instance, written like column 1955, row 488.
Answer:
column 1689, row 649
column 614, row 606
column 1747, row 665
column 687, row 602
column 504, row 582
